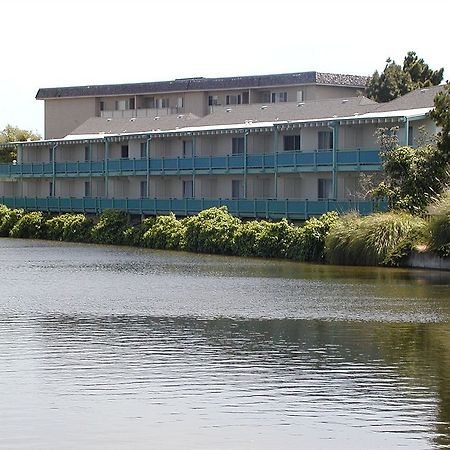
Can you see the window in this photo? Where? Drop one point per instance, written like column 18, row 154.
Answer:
column 410, row 136
column 50, row 154
column 121, row 105
column 180, row 102
column 102, row 105
column 245, row 98
column 325, row 140
column 143, row 188
column 50, row 189
column 278, row 97
column 124, row 151
column 87, row 153
column 150, row 102
column 143, row 147
column 235, row 99
column 163, row 102
column 213, row 100
column 324, row 188
column 265, row 97
column 131, row 103
column 188, row 149
column 236, row 189
column 292, row 142
column 87, row 188
column 237, row 146
column 188, row 189
column 299, row 96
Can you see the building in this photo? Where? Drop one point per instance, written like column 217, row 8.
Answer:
column 269, row 159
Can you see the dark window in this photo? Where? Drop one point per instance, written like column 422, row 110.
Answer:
column 132, row 103
column 410, row 136
column 236, row 186
column 188, row 149
column 143, row 150
column 292, row 142
column 143, row 189
column 325, row 140
column 87, row 188
column 50, row 189
column 324, row 188
column 102, row 105
column 50, row 154
column 124, row 151
column 235, row 99
column 188, row 191
column 245, row 97
column 87, row 153
column 237, row 146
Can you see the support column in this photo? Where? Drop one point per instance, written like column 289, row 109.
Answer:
column 54, row 170
column 106, row 167
column 275, row 163
column 245, row 162
column 20, row 161
column 147, row 154
column 194, row 153
column 335, row 128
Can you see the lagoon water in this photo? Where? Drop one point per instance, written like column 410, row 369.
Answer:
column 120, row 348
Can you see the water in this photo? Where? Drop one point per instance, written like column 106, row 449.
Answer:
column 119, row 348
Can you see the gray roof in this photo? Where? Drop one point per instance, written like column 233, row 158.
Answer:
column 205, row 84
column 96, row 125
column 273, row 112
column 420, row 98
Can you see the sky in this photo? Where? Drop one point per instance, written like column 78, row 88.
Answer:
column 49, row 43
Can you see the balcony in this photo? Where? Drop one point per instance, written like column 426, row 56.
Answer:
column 140, row 112
column 261, row 208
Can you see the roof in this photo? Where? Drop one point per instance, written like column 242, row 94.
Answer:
column 102, row 125
column 420, row 98
column 204, row 84
column 274, row 112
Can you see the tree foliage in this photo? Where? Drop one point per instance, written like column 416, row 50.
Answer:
column 14, row 134
column 397, row 80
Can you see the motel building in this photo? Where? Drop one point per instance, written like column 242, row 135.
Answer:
column 289, row 145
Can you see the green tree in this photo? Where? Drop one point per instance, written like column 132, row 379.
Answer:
column 441, row 115
column 396, row 80
column 14, row 134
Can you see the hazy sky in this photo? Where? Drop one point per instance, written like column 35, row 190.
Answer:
column 50, row 43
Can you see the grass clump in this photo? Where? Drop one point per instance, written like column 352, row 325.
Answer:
column 370, row 240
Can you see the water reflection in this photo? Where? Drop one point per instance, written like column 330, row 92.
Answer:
column 103, row 347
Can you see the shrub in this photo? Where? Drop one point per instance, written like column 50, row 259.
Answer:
column 69, row 227
column 274, row 239
column 247, row 238
column 440, row 225
column 308, row 241
column 110, row 227
column 8, row 218
column 31, row 226
column 211, row 231
column 356, row 240
column 166, row 233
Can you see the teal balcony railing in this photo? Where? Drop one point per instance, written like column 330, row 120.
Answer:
column 285, row 161
column 256, row 208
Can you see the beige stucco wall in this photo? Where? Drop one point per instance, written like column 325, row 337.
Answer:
column 64, row 115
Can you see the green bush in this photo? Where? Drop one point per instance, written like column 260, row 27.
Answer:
column 247, row 238
column 69, row 227
column 30, row 226
column 274, row 239
column 356, row 240
column 8, row 218
column 110, row 228
column 211, row 231
column 440, row 224
column 166, row 233
column 308, row 242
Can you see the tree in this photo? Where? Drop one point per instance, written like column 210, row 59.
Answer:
column 441, row 115
column 14, row 134
column 396, row 80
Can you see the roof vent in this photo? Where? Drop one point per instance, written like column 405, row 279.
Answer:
column 345, row 100
column 156, row 118
column 300, row 104
column 228, row 110
column 248, row 121
column 356, row 114
column 132, row 119
column 180, row 116
column 108, row 119
column 263, row 106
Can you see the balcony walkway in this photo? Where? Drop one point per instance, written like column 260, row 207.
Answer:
column 258, row 208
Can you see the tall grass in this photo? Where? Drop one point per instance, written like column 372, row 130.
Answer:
column 369, row 240
column 440, row 224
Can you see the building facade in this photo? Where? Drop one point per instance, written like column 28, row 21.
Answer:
column 271, row 159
